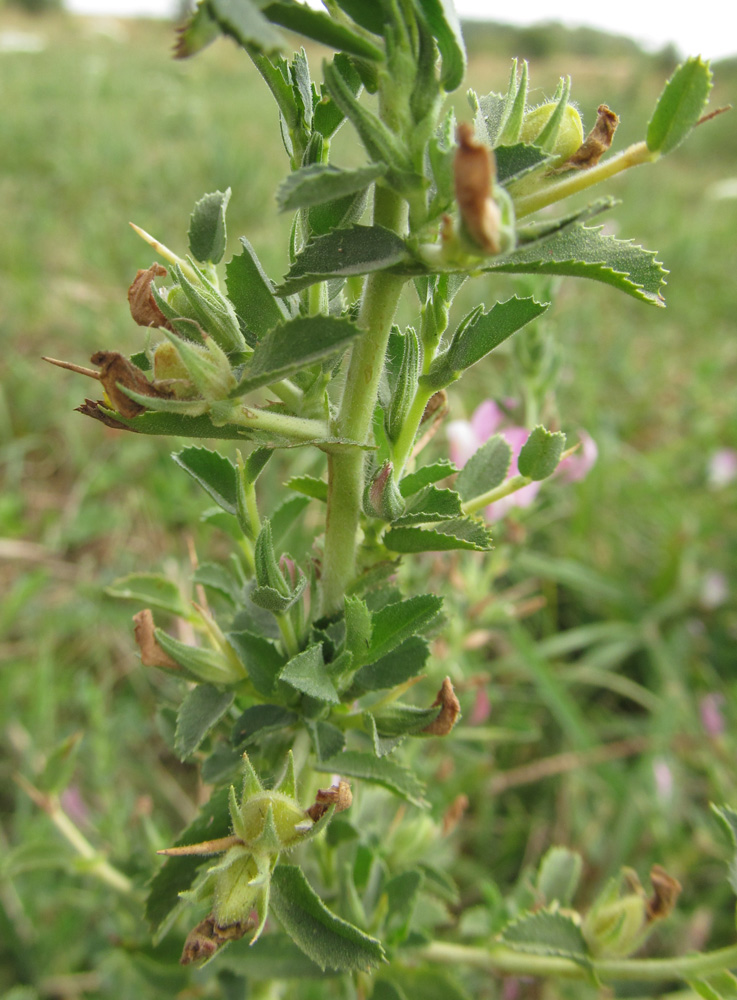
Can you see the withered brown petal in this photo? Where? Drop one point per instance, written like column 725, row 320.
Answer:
column 144, row 310
column 666, row 891
column 339, row 795
column 115, row 371
column 474, row 170
column 596, row 143
column 454, row 813
column 152, row 655
column 208, row 937
column 92, row 408
column 450, row 709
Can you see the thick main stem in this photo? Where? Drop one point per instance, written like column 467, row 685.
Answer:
column 353, row 423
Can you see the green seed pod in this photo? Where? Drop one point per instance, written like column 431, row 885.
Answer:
column 567, row 138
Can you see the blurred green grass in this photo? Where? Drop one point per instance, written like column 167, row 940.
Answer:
column 100, row 128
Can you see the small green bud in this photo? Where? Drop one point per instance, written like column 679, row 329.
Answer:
column 206, row 366
column 382, row 498
column 569, row 135
column 615, row 929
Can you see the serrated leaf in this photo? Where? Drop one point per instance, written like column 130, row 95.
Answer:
column 442, row 20
column 178, row 425
column 306, row 672
column 218, row 577
column 203, row 707
column 513, row 162
column 486, row 469
column 259, row 720
column 327, row 739
column 429, row 505
column 153, row 590
column 295, row 345
column 397, row 622
column 198, row 32
column 270, row 599
column 178, row 873
column 252, row 295
column 478, row 334
column 719, row 986
column 680, row 106
column 380, row 771
column 316, row 489
column 261, row 659
column 547, row 932
column 559, row 875
column 273, row 956
column 321, row 182
column 245, row 23
column 207, row 234
column 463, row 533
column 586, row 252
column 395, row 668
column 321, row 27
column 541, row 453
column 215, row 474
column 345, row 252
column 327, row 940
column 427, row 474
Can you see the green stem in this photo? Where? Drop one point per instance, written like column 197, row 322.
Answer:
column 502, row 959
column 405, row 442
column 484, row 499
column 579, row 180
column 296, row 428
column 353, row 423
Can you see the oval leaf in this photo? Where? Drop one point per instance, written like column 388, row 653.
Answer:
column 680, row 106
column 207, row 227
column 203, row 707
column 541, row 453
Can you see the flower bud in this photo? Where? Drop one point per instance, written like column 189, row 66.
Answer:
column 381, row 497
column 568, row 136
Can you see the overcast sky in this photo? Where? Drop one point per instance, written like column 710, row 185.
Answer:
column 708, row 28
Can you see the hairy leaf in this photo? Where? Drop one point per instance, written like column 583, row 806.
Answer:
column 380, row 771
column 547, row 932
column 316, row 489
column 403, row 663
column 260, row 657
column 197, row 33
column 327, row 940
column 203, row 707
column 320, row 27
column 306, row 672
column 153, row 590
column 206, row 664
column 273, row 956
column 397, row 622
column 462, row 533
column 429, row 505
column 415, row 481
column 295, row 345
column 321, row 182
column 245, row 23
column 541, row 453
column 345, row 252
column 218, row 577
column 259, row 720
column 252, row 294
column 445, row 27
column 559, row 875
column 513, row 162
column 680, row 106
column 486, row 468
column 207, row 234
column 215, row 474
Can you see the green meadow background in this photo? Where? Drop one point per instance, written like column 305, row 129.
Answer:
column 597, row 627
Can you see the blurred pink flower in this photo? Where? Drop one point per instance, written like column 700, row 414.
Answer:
column 663, row 780
column 714, row 590
column 465, row 437
column 722, row 467
column 481, row 708
column 710, row 710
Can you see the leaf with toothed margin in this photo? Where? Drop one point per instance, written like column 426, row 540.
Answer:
column 586, row 252
column 198, row 32
column 461, row 533
column 320, row 27
column 380, row 771
column 215, row 474
column 207, row 233
column 252, row 295
column 320, row 182
column 547, row 932
column 244, row 22
column 327, row 940
column 345, row 252
column 203, row 707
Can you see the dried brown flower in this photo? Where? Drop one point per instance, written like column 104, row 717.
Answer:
column 449, row 711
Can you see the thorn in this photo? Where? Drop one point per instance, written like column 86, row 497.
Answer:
column 73, row 368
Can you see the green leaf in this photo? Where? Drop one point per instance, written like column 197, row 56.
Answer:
column 400, row 665
column 514, row 162
column 397, row 622
column 244, row 22
column 547, row 932
column 295, row 345
column 486, row 469
column 728, row 818
column 368, row 15
column 429, row 984
column 178, row 874
column 175, row 425
column 260, row 657
column 256, row 463
column 321, row 182
column 273, row 956
column 345, row 252
column 559, row 875
column 380, row 771
column 541, row 453
column 203, row 707
column 196, row 34
column 719, row 986
column 537, row 231
column 384, row 990
column 403, row 720
column 270, row 599
column 427, row 474
column 585, row 252
column 328, row 117
column 153, row 590
column 442, row 20
column 478, row 334
column 306, row 672
column 260, row 720
column 402, row 892
column 218, row 577
column 680, row 106
column 358, row 629
column 252, row 294
column 327, row 940
column 430, row 505
column 205, row 664
column 463, row 533
column 327, row 739
column 215, row 474
column 316, row 489
column 207, row 233
column 60, row 764
column 320, row 27
column 285, row 516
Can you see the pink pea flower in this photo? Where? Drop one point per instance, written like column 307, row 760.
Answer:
column 722, row 468
column 466, row 436
column 710, row 710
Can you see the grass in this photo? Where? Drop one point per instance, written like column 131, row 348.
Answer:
column 102, row 128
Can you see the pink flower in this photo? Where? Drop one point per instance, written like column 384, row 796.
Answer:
column 722, row 468
column 710, row 710
column 465, row 437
